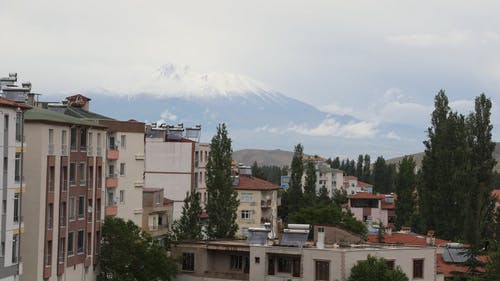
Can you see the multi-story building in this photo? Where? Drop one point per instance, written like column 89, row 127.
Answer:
column 331, row 179
column 238, row 260
column 258, row 202
column 63, row 199
column 175, row 161
column 352, row 185
column 123, row 146
column 373, row 207
column 157, row 213
column 12, row 184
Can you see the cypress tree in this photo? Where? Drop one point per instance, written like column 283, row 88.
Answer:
column 359, row 168
column 336, row 163
column 222, row 200
column 310, row 184
column 323, row 197
column 188, row 227
column 379, row 173
column 294, row 192
column 405, row 187
column 366, row 169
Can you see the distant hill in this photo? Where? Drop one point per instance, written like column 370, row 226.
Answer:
column 419, row 156
column 263, row 157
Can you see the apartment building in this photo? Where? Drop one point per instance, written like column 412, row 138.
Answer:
column 238, row 260
column 175, row 162
column 157, row 213
column 124, row 150
column 331, row 179
column 258, row 202
column 373, row 207
column 12, row 184
column 63, row 200
column 352, row 185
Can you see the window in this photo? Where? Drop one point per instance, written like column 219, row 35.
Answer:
column 82, row 174
column 246, row 214
column 50, row 216
column 73, row 139
column 72, row 208
column 5, row 166
column 19, row 136
column 196, row 180
column 418, row 268
column 322, row 270
column 52, row 178
column 51, row 141
column 123, row 141
column 72, row 173
column 236, row 262
column 270, row 265
column 122, row 196
column 89, row 243
column 81, row 207
column 62, row 214
column 122, row 169
column 64, row 146
column 48, row 253
column 196, row 158
column 111, row 170
column 83, row 139
column 390, row 264
column 16, row 207
column 71, row 243
column 157, row 198
column 17, row 167
column 188, row 261
column 15, row 247
column 80, row 242
column 285, row 264
column 246, row 197
column 112, row 142
column 89, row 211
column 98, row 144
column 62, row 249
column 111, row 200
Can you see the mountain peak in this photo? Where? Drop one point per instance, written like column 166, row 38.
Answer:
column 181, row 79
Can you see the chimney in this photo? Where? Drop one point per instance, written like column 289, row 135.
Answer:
column 320, row 244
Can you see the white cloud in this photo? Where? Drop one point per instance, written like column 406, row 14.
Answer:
column 393, row 136
column 168, row 115
column 426, row 40
column 336, row 109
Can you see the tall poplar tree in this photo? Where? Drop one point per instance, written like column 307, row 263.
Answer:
column 379, row 172
column 336, row 163
column 188, row 227
column 359, row 168
column 405, row 188
column 310, row 184
column 366, row 169
column 222, row 201
column 294, row 192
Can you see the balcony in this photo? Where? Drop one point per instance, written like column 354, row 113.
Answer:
column 47, row 271
column 113, row 153
column 111, row 210
column 158, row 230
column 112, row 181
column 265, row 204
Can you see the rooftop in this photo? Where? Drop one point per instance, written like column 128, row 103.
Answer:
column 253, row 183
column 6, row 102
column 366, row 195
column 151, row 189
column 40, row 114
column 408, row 239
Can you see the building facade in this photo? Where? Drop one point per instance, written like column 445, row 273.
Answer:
column 64, row 198
column 157, row 213
column 373, row 207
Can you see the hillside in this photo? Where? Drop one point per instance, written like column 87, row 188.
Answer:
column 274, row 157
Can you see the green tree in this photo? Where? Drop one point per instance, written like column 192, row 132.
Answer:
column 222, row 200
column 375, row 269
column 405, row 190
column 129, row 254
column 366, row 169
column 340, row 197
column 336, row 163
column 493, row 265
column 188, row 227
column 323, row 197
column 379, row 173
column 294, row 197
column 359, row 168
column 257, row 171
column 310, row 184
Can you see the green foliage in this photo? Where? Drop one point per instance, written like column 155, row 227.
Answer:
column 383, row 176
column 323, row 196
column 375, row 269
column 328, row 214
column 188, row 227
column 222, row 201
column 493, row 265
column 310, row 184
column 367, row 176
column 359, row 168
column 129, row 254
column 405, row 187
column 294, row 197
column 269, row 173
column 335, row 163
column 340, row 197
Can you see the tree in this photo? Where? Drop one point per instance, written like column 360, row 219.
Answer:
column 493, row 265
column 222, row 200
column 379, row 172
column 294, row 195
column 405, row 190
column 188, row 227
column 336, row 163
column 359, row 168
column 257, row 171
column 310, row 184
column 340, row 197
column 129, row 254
column 366, row 169
column 375, row 269
column 323, row 197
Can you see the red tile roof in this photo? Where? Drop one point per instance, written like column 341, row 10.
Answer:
column 167, row 201
column 151, row 189
column 350, row 178
column 77, row 97
column 408, row 239
column 253, row 183
column 447, row 269
column 386, row 205
column 10, row 103
column 364, row 184
column 366, row 195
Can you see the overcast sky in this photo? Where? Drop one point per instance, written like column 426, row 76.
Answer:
column 380, row 61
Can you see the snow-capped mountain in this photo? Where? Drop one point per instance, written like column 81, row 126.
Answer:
column 256, row 115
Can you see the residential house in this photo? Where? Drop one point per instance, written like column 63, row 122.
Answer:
column 157, row 213
column 352, row 185
column 373, row 207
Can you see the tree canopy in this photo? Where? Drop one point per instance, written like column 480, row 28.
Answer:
column 189, row 227
column 375, row 269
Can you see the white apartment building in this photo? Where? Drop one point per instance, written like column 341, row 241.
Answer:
column 331, row 179
column 175, row 161
column 12, row 184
